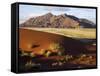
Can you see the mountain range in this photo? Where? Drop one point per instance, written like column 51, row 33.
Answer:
column 58, row 21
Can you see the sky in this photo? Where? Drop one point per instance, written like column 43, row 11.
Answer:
column 29, row 11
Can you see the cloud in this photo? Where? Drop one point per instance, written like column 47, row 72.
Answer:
column 57, row 8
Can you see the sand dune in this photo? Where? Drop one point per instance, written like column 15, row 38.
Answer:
column 42, row 40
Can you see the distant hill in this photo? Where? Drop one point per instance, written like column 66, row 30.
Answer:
column 57, row 21
column 87, row 24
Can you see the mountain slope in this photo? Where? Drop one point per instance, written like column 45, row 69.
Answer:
column 57, row 21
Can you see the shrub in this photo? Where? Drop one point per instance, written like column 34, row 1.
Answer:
column 58, row 48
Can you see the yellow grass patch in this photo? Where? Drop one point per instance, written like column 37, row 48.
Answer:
column 89, row 33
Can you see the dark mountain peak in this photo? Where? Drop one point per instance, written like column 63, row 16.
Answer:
column 64, row 15
column 73, row 17
column 87, row 23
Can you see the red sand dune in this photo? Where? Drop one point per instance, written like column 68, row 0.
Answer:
column 42, row 40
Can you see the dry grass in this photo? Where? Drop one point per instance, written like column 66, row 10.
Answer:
column 89, row 33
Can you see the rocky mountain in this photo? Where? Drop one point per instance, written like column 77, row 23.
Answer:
column 86, row 23
column 57, row 21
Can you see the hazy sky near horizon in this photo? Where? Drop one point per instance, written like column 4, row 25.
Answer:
column 29, row 11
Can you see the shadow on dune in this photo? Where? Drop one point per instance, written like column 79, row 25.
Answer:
column 73, row 46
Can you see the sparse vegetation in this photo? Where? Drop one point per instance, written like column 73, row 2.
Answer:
column 54, row 54
column 58, row 48
column 47, row 53
column 31, row 64
column 24, row 53
column 89, row 33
